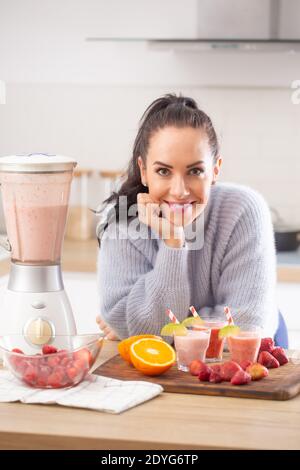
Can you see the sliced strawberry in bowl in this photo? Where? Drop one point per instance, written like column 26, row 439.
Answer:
column 52, row 367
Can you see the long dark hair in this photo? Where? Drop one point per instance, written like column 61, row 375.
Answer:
column 169, row 110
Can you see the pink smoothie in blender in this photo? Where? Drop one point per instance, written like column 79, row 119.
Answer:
column 35, row 192
column 35, row 208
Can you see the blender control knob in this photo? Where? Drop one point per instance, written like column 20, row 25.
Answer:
column 39, row 331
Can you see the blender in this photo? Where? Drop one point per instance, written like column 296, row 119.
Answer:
column 35, row 308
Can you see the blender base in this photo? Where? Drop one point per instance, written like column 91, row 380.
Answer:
column 29, row 320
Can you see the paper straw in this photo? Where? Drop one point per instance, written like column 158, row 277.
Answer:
column 171, row 316
column 228, row 316
column 194, row 312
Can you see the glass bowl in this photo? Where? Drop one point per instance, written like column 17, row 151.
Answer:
column 51, row 366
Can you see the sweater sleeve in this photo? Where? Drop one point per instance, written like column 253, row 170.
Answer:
column 134, row 294
column 247, row 280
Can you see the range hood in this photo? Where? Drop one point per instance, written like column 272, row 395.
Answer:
column 248, row 25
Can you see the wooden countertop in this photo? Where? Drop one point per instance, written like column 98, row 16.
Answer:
column 169, row 421
column 82, row 256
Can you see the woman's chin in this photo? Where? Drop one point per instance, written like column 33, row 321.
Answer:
column 182, row 221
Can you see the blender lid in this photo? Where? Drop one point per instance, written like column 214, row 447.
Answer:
column 36, row 162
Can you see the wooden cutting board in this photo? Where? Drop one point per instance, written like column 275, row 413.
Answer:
column 281, row 384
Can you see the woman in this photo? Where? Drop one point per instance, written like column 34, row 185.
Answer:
column 192, row 241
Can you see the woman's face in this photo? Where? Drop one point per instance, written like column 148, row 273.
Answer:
column 179, row 172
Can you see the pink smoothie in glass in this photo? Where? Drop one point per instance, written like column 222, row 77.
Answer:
column 244, row 346
column 214, row 352
column 190, row 347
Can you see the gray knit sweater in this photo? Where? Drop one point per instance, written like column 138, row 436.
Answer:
column 138, row 279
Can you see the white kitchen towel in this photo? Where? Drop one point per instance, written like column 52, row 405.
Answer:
column 96, row 393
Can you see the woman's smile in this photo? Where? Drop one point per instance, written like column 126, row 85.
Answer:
column 180, row 206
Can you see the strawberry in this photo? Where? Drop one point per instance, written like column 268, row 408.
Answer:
column 35, row 360
column 16, row 359
column 56, row 379
column 280, row 355
column 204, row 373
column 20, row 365
column 216, row 368
column 30, row 375
column 81, row 365
column 65, row 361
column 44, row 372
column 84, row 356
column 244, row 364
column 49, row 349
column 17, row 350
column 195, row 367
column 53, row 361
column 266, row 344
column 257, row 371
column 240, row 378
column 228, row 369
column 215, row 377
column 267, row 360
column 72, row 372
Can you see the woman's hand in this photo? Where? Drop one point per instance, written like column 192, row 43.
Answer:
column 149, row 213
column 109, row 332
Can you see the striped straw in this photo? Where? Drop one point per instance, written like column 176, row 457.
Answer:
column 228, row 316
column 194, row 312
column 171, row 316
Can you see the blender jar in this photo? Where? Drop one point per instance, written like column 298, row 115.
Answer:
column 35, row 190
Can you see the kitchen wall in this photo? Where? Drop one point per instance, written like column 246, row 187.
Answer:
column 65, row 95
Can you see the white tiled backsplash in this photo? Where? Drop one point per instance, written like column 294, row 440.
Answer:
column 259, row 130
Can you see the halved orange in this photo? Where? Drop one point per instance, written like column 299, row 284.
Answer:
column 152, row 356
column 124, row 345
